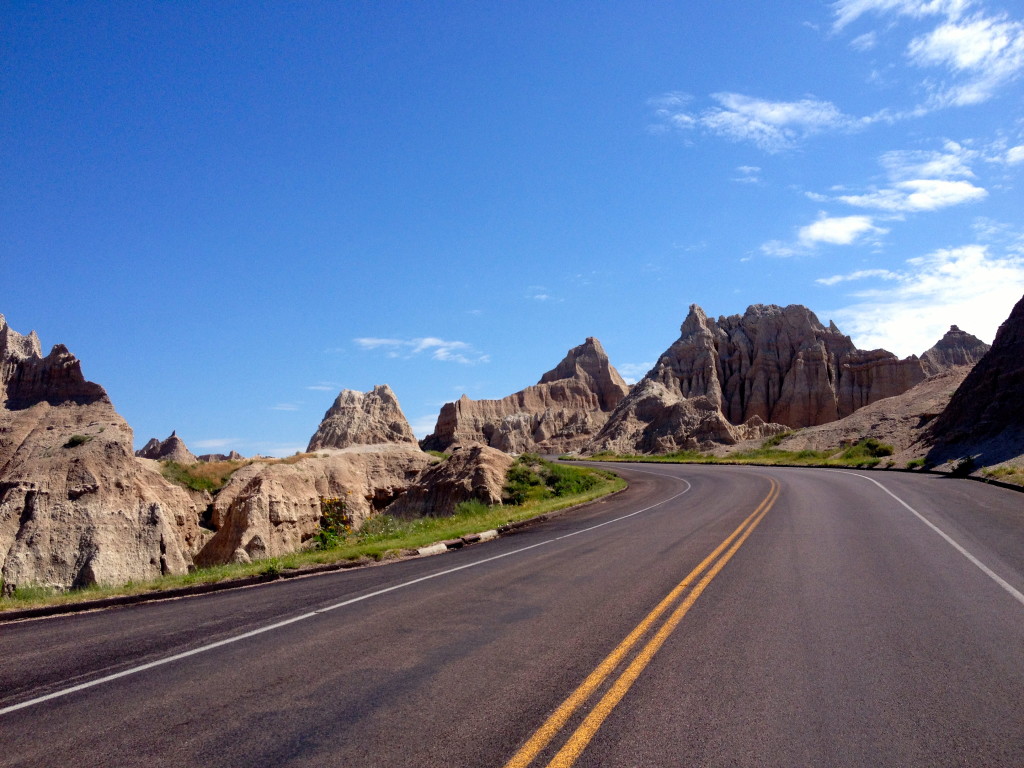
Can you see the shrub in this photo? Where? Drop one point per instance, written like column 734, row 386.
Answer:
column 335, row 523
column 76, row 440
column 470, row 508
column 964, row 467
column 915, row 464
column 869, row 448
column 774, row 440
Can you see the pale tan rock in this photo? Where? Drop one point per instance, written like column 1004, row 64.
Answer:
column 171, row 449
column 472, row 472
column 270, row 509
column 363, row 418
column 76, row 506
column 559, row 414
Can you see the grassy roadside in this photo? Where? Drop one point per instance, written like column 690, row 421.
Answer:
column 381, row 538
column 866, row 453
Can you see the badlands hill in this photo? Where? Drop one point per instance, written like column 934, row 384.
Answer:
column 749, row 376
column 985, row 415
column 559, row 413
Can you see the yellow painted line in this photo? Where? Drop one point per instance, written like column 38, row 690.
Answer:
column 556, row 722
column 572, row 749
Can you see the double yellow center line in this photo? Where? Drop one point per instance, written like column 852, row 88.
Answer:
column 577, row 742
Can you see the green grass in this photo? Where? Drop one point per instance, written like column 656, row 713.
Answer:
column 211, row 476
column 1013, row 475
column 866, row 453
column 381, row 537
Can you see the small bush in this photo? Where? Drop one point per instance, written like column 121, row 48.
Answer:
column 774, row 440
column 335, row 523
column 915, row 464
column 869, row 448
column 964, row 467
column 76, row 440
column 470, row 508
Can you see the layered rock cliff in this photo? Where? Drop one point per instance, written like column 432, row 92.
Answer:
column 363, row 418
column 985, row 415
column 76, row 506
column 568, row 406
column 770, row 366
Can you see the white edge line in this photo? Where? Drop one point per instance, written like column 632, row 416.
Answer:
column 311, row 614
column 1015, row 593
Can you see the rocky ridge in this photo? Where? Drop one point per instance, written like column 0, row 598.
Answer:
column 751, row 375
column 955, row 349
column 171, row 449
column 76, row 506
column 560, row 413
column 363, row 418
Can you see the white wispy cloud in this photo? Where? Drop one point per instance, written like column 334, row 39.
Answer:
column 973, row 53
column 847, row 11
column 324, row 386
column 286, row 407
column 437, row 349
column 827, row 230
column 1014, row 155
column 216, row 442
column 981, row 53
column 773, row 126
column 748, row 174
column 969, row 286
column 633, row 372
column 920, row 181
column 918, row 195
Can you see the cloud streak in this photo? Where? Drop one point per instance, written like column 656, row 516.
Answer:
column 913, row 307
column 435, row 348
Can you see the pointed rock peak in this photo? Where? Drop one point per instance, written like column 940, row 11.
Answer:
column 358, row 418
column 696, row 320
column 955, row 348
column 171, row 449
column 589, row 364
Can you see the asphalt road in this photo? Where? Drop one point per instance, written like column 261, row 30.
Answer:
column 842, row 619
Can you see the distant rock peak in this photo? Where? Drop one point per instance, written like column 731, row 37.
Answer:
column 363, row 418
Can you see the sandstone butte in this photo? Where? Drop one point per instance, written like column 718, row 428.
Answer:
column 171, row 449
column 560, row 413
column 761, row 373
column 363, row 418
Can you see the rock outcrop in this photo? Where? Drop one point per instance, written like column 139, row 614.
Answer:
column 209, row 458
column 899, row 421
column 76, row 506
column 471, row 472
column 171, row 449
column 267, row 509
column 363, row 418
column 985, row 416
column 770, row 366
column 567, row 407
column 957, row 348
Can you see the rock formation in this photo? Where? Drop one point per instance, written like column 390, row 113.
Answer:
column 956, row 348
column 267, row 509
column 212, row 457
column 985, row 416
column 899, row 421
column 358, row 418
column 171, row 449
column 76, row 506
column 471, row 472
column 560, row 413
column 770, row 366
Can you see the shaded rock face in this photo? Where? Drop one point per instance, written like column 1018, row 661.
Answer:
column 567, row 407
column 26, row 377
column 956, row 348
column 770, row 366
column 212, row 457
column 472, row 472
column 171, row 449
column 358, row 418
column 76, row 506
column 267, row 510
column 985, row 415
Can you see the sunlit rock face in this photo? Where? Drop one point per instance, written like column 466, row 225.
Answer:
column 567, row 407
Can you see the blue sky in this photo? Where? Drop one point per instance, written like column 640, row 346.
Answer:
column 231, row 211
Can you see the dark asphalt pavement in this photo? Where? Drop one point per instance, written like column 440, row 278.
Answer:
column 842, row 632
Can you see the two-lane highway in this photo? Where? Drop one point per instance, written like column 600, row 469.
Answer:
column 706, row 616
